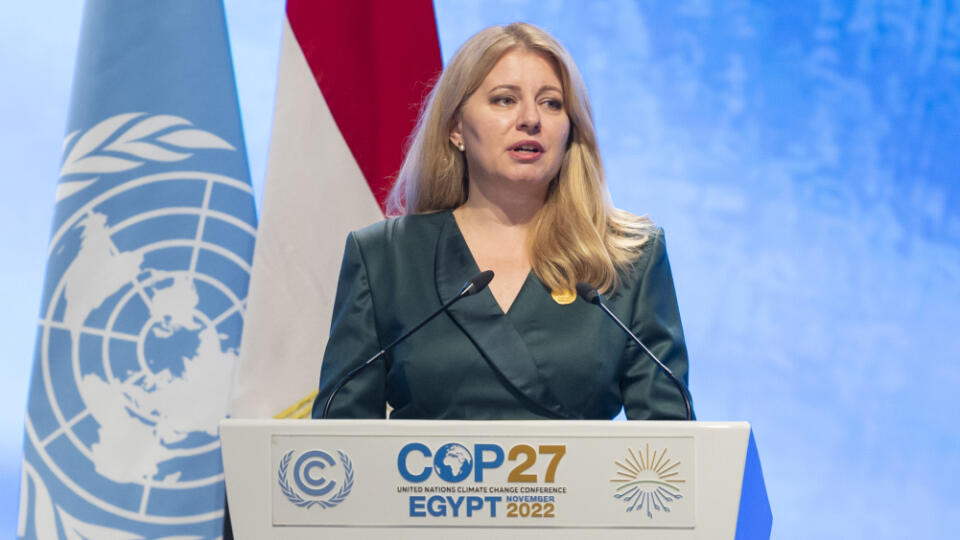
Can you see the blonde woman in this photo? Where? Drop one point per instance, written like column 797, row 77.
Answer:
column 503, row 173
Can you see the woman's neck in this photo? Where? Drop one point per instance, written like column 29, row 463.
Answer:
column 509, row 206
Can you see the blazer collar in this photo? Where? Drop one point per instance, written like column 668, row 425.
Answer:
column 491, row 331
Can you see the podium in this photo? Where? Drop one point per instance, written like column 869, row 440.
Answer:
column 363, row 479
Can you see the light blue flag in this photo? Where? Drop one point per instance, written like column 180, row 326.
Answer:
column 146, row 281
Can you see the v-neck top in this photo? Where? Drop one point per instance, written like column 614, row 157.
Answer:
column 540, row 359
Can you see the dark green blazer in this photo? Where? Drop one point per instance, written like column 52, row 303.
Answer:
column 539, row 360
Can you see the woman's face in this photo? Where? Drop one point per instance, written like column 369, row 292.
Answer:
column 515, row 126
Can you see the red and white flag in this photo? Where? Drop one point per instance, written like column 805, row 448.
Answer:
column 352, row 76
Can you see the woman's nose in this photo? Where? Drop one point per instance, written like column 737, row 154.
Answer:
column 529, row 118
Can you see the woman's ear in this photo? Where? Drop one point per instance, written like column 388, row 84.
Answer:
column 456, row 134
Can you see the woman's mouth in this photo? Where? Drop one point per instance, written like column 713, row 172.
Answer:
column 526, row 150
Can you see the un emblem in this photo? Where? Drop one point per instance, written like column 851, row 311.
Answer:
column 316, row 478
column 140, row 327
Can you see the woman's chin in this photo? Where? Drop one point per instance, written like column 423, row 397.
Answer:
column 532, row 178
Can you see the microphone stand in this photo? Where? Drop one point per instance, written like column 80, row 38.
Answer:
column 589, row 293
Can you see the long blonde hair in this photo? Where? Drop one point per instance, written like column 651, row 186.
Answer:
column 577, row 235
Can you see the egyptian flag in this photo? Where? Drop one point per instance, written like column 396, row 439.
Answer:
column 352, row 76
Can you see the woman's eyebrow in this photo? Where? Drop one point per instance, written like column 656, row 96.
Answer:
column 516, row 88
column 548, row 87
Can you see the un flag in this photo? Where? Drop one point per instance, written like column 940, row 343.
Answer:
column 149, row 260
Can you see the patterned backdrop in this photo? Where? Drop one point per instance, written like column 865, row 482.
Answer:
column 804, row 159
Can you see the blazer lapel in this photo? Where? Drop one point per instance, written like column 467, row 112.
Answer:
column 481, row 319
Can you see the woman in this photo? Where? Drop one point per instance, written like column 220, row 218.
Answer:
column 503, row 173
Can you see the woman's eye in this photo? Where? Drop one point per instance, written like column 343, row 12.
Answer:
column 503, row 100
column 554, row 104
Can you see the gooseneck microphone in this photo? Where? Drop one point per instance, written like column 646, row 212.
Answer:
column 474, row 285
column 590, row 294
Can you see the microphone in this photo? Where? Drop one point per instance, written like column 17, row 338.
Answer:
column 473, row 286
column 589, row 293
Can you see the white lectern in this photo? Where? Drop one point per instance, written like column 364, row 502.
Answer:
column 298, row 479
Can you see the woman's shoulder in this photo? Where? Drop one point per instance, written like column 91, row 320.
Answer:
column 650, row 251
column 409, row 228
column 651, row 245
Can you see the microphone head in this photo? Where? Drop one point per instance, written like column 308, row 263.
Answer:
column 477, row 283
column 588, row 292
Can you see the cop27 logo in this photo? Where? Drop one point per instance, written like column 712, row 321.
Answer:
column 315, row 476
column 453, row 462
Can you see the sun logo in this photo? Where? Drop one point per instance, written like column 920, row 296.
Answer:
column 647, row 481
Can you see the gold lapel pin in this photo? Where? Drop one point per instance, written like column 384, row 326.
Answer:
column 563, row 297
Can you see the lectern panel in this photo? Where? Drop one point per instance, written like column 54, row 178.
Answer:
column 423, row 479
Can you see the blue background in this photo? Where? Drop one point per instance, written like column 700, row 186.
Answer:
column 803, row 158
